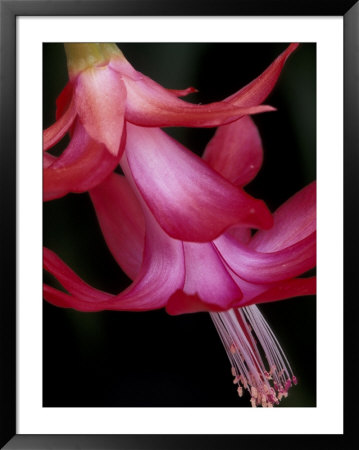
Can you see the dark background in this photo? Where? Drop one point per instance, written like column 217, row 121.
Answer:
column 152, row 359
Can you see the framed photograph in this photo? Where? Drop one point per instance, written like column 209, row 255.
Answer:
column 173, row 209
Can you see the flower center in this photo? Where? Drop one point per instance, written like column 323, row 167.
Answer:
column 258, row 361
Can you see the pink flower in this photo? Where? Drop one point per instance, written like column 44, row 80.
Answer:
column 105, row 92
column 167, row 233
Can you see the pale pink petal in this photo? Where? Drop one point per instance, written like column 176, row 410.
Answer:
column 208, row 285
column 162, row 273
column 57, row 130
column 100, row 98
column 258, row 267
column 190, row 201
column 259, row 89
column 123, row 67
column 149, row 104
column 293, row 221
column 84, row 164
column 235, row 151
column 122, row 222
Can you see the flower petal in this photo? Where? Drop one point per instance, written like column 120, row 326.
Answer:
column 84, row 164
column 295, row 287
column 64, row 99
column 122, row 222
column 293, row 221
column 190, row 201
column 100, row 98
column 57, row 130
column 183, row 92
column 162, row 273
column 242, row 234
column 208, row 285
column 258, row 267
column 259, row 89
column 235, row 151
column 149, row 104
column 282, row 290
column 65, row 300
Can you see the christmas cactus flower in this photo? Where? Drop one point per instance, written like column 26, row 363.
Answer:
column 179, row 263
column 105, row 92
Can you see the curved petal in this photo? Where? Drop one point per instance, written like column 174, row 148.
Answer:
column 162, row 273
column 293, row 221
column 190, row 201
column 122, row 222
column 57, row 130
column 242, row 234
column 70, row 281
column 65, row 300
column 235, row 151
column 149, row 104
column 84, row 164
column 259, row 267
column 100, row 98
column 208, row 285
column 295, row 287
column 183, row 92
column 268, row 292
column 48, row 160
column 259, row 89
column 64, row 99
column 120, row 65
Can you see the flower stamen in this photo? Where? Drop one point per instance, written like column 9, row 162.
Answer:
column 249, row 342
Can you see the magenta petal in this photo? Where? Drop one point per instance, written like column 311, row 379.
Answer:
column 259, row 89
column 100, row 98
column 190, row 201
column 208, row 285
column 241, row 234
column 293, row 221
column 149, row 104
column 122, row 222
column 295, row 287
column 64, row 99
column 183, row 92
column 235, row 151
column 182, row 303
column 84, row 164
column 57, row 131
column 65, row 300
column 70, row 281
column 162, row 273
column 258, row 267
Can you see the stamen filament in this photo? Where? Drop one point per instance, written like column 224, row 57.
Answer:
column 249, row 341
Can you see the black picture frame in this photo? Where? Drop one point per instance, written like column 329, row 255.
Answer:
column 10, row 9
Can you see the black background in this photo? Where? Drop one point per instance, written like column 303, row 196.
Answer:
column 152, row 359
